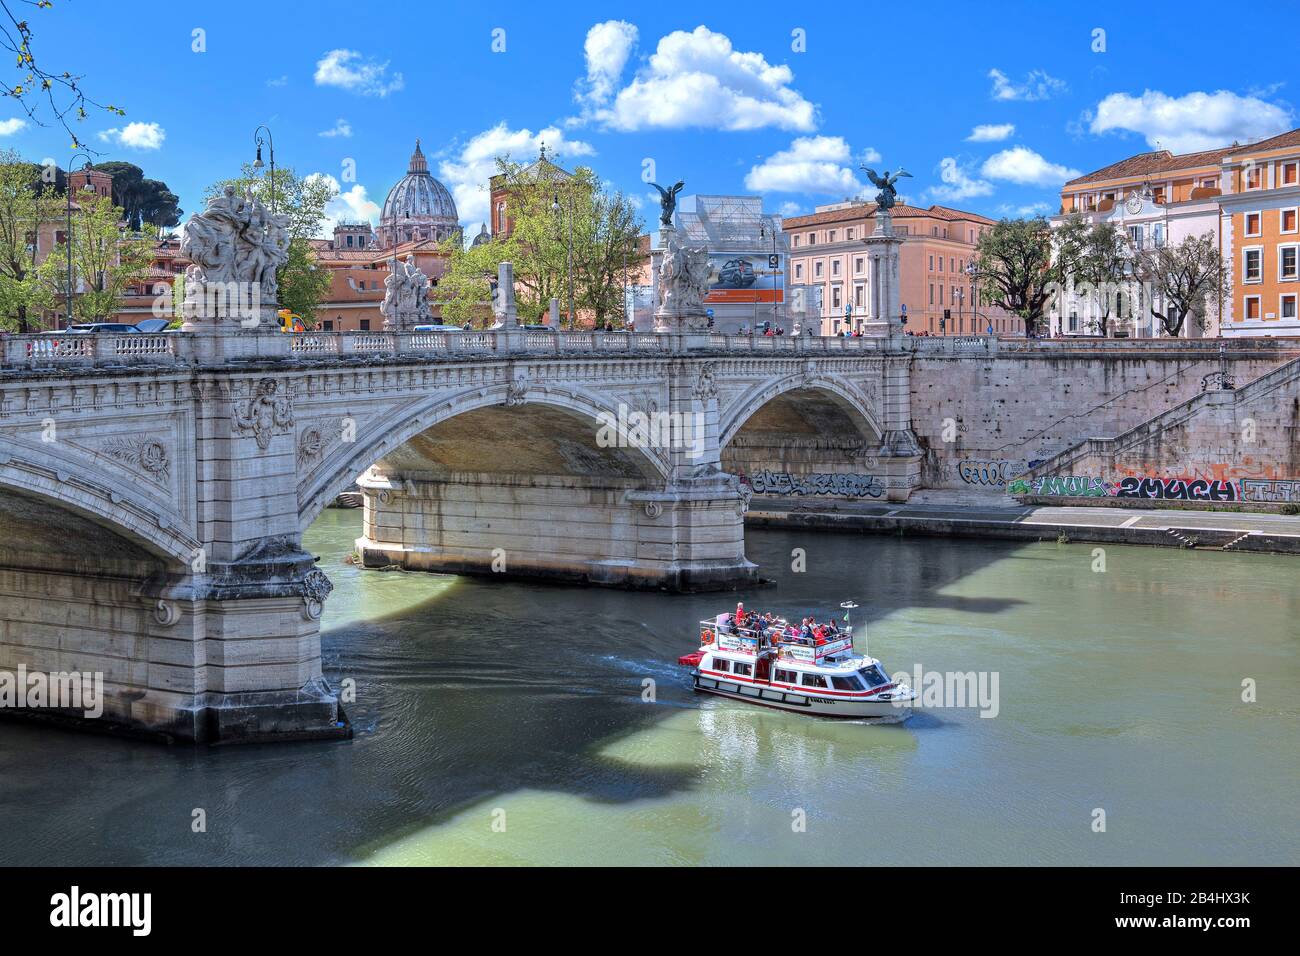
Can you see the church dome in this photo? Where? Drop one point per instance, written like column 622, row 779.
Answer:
column 419, row 207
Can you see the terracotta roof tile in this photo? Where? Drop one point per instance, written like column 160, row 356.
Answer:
column 1163, row 161
column 868, row 211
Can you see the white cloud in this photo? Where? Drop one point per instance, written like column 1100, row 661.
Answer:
column 10, row 126
column 607, row 48
column 349, row 70
column 1022, row 165
column 135, row 136
column 699, row 79
column 467, row 173
column 1192, row 122
column 351, row 206
column 789, row 209
column 278, row 81
column 812, row 164
column 1037, row 85
column 958, row 184
column 991, row 132
column 341, row 127
column 1023, row 212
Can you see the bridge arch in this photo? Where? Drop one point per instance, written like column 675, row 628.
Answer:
column 804, row 435
column 394, row 431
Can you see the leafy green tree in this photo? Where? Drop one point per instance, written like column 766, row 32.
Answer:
column 551, row 212
column 1186, row 277
column 304, row 283
column 104, row 260
column 145, row 201
column 1095, row 258
column 24, row 203
column 1014, row 268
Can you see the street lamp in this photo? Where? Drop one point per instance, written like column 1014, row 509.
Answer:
column 555, row 208
column 774, row 265
column 67, row 237
column 258, row 164
column 973, row 274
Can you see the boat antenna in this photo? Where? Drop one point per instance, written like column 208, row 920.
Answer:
column 848, row 623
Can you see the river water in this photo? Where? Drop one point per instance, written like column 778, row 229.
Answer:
column 503, row 722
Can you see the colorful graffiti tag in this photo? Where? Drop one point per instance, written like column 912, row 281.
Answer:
column 1134, row 486
column 992, row 472
column 1279, row 489
column 849, row 486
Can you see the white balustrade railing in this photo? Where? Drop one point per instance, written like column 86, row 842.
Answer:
column 180, row 348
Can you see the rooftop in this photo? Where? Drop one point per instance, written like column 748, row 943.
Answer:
column 1163, row 161
column 868, row 211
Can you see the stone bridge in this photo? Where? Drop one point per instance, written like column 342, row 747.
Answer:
column 154, row 488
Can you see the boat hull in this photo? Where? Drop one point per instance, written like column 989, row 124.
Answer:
column 795, row 702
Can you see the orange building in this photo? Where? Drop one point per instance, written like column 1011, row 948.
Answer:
column 1260, row 229
column 826, row 252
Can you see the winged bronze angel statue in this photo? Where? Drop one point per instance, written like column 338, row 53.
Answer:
column 668, row 201
column 887, row 196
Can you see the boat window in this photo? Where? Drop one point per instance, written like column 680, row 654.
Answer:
column 873, row 676
column 744, row 669
column 846, row 683
column 814, row 680
column 721, row 664
column 787, row 677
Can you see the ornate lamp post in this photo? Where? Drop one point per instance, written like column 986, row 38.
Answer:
column 555, row 208
column 258, row 164
column 973, row 274
column 774, row 265
column 67, row 236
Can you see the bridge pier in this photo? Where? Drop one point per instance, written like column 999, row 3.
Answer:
column 686, row 536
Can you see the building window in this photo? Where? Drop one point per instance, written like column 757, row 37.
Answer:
column 1253, row 224
column 365, row 325
column 941, row 263
column 327, row 325
column 817, row 268
column 830, row 237
column 796, row 242
column 1135, row 237
column 859, row 265
column 835, row 267
column 848, row 233
column 932, row 293
column 1251, row 310
column 932, row 263
column 812, row 238
column 859, row 292
column 1286, row 306
column 1252, row 264
column 835, row 297
column 798, row 270
column 1254, row 177
column 1287, row 218
column 1286, row 262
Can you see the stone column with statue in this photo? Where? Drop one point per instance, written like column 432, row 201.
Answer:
column 884, row 305
column 682, row 279
column 406, row 298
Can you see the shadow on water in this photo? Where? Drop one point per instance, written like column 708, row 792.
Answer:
column 482, row 689
column 475, row 695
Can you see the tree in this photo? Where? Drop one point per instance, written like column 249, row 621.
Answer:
column 1095, row 259
column 1014, row 269
column 104, row 260
column 548, row 212
column 25, row 202
column 1185, row 276
column 145, row 201
column 470, row 278
column 304, row 284
column 43, row 94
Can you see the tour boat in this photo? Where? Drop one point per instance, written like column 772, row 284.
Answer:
column 787, row 668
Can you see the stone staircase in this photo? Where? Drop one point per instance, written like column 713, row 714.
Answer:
column 1098, row 455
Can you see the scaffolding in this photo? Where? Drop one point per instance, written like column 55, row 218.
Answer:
column 731, row 224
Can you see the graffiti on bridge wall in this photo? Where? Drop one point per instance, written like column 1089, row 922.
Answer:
column 1271, row 489
column 992, row 472
column 782, row 483
column 1134, row 486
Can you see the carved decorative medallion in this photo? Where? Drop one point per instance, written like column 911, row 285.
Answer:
column 517, row 390
column 265, row 414
column 705, row 386
column 144, row 454
column 316, row 587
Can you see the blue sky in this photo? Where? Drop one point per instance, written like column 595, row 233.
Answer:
column 782, row 99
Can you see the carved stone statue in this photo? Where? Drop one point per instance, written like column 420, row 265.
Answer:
column 668, row 201
column 683, row 284
column 887, row 196
column 236, row 248
column 406, row 298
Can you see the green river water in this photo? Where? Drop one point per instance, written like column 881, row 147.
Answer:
column 504, row 722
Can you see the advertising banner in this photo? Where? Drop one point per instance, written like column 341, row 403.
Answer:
column 736, row 277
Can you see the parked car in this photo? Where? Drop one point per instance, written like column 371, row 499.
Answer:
column 736, row 274
column 437, row 328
